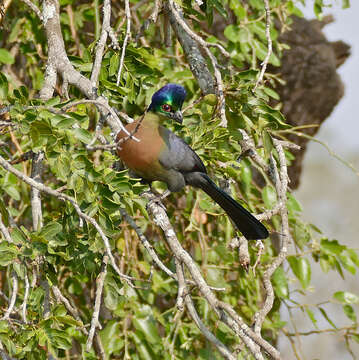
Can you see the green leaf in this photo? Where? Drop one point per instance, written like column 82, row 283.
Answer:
column 8, row 253
column 50, row 230
column 293, row 204
column 83, row 135
column 4, row 86
column 112, row 293
column 355, row 337
column 301, row 269
column 114, row 64
column 147, row 327
column 238, row 9
column 323, row 312
column 279, row 280
column 269, row 196
column 346, row 297
column 270, row 92
column 345, row 4
column 311, row 316
column 4, row 214
column 231, row 33
column 110, row 339
column 267, row 142
column 6, row 57
column 331, row 247
column 350, row 313
column 347, row 262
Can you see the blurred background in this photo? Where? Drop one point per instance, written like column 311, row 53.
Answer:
column 329, row 193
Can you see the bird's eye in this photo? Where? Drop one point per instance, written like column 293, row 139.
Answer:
column 166, row 107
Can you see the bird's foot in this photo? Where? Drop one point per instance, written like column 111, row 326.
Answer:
column 158, row 199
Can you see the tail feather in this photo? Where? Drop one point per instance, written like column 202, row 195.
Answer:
column 247, row 224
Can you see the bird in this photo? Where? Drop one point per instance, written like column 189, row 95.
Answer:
column 155, row 153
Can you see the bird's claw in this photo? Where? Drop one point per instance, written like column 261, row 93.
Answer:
column 156, row 200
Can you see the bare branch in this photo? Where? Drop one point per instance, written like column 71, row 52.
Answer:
column 36, row 172
column 26, row 296
column 96, row 311
column 33, row 7
column 127, row 37
column 281, row 184
column 4, row 230
column 146, row 244
column 102, row 42
column 269, row 45
column 15, row 285
column 71, row 309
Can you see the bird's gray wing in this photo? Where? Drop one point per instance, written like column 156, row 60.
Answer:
column 178, row 155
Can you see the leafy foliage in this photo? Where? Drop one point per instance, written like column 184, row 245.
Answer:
column 143, row 323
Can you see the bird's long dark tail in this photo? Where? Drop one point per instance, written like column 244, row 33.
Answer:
column 247, row 224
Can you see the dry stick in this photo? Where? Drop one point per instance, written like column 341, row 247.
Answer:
column 100, row 349
column 146, row 244
column 183, row 294
column 260, row 246
column 101, row 43
column 15, row 284
column 34, row 8
column 96, row 311
column 36, row 171
column 26, row 296
column 64, row 197
column 174, row 7
column 269, row 45
column 71, row 309
column 151, row 19
column 127, row 36
column 4, row 230
column 281, row 184
column 240, row 328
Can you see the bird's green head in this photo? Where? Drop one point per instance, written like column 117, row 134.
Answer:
column 168, row 101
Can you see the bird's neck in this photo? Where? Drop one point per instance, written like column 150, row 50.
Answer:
column 153, row 119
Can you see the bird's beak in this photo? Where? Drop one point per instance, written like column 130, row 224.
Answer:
column 178, row 116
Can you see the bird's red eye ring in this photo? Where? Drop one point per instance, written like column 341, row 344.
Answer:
column 166, row 107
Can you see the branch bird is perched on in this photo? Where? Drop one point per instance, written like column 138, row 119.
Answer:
column 163, row 156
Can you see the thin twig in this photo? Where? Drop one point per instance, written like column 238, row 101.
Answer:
column 127, row 37
column 26, row 295
column 281, row 184
column 96, row 311
column 4, row 230
column 15, row 285
column 269, row 45
column 33, row 7
column 36, row 171
column 102, row 42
